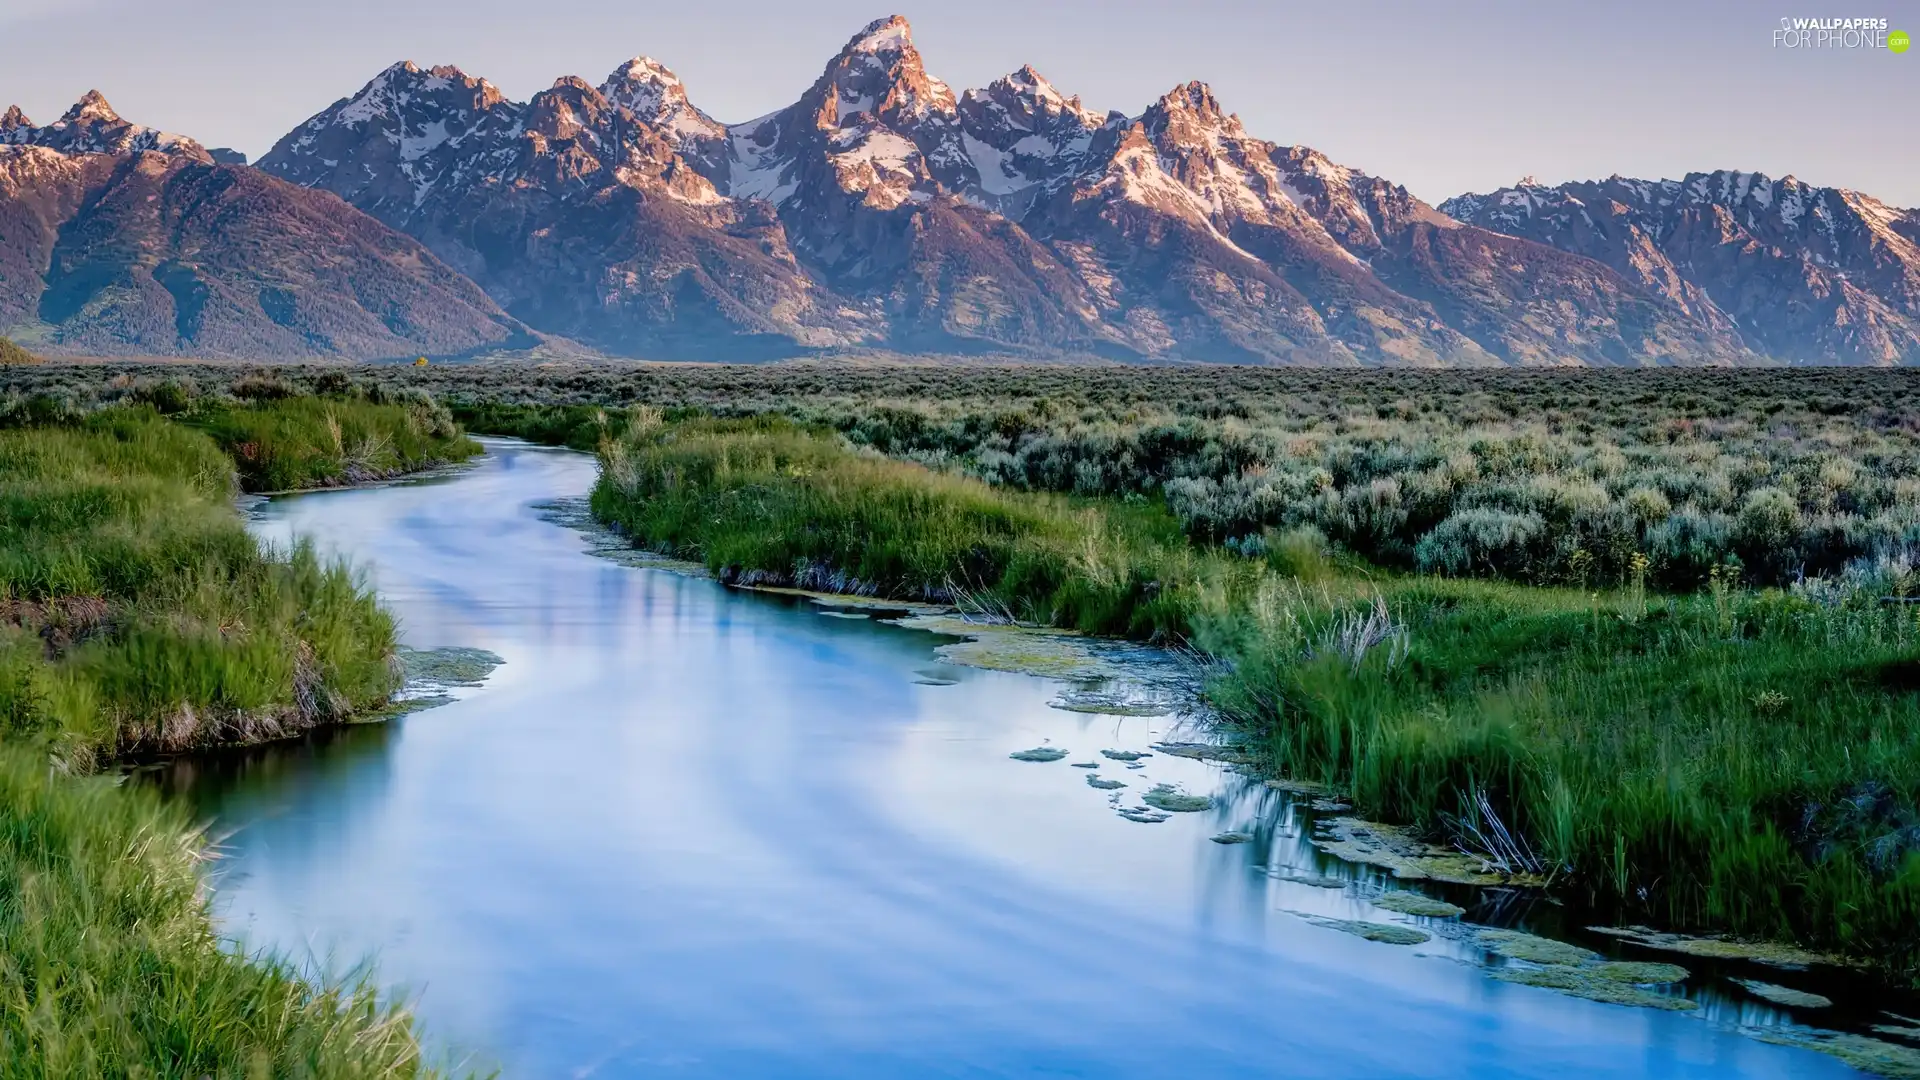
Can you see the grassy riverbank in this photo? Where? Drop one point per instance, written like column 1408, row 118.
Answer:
column 138, row 616
column 1735, row 759
column 1636, row 616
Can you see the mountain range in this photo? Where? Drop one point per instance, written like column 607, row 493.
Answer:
column 883, row 210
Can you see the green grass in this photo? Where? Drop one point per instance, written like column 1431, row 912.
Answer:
column 580, row 427
column 138, row 616
column 768, row 501
column 308, row 442
column 109, row 966
column 1731, row 760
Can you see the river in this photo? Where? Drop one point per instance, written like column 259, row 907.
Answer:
column 687, row 830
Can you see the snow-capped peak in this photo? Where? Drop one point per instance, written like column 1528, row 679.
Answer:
column 1194, row 97
column 92, row 127
column 880, row 72
column 93, row 106
column 657, row 97
column 891, row 34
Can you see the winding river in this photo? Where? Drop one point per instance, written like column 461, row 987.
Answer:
column 687, row 830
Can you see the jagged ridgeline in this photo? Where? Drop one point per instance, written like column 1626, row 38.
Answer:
column 884, row 210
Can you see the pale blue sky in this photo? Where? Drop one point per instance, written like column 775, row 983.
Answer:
column 1442, row 97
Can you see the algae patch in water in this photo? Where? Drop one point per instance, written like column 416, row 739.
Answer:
column 1400, row 851
column 1124, row 755
column 1783, row 995
column 1307, row 788
column 1860, row 1051
column 1143, row 816
column 1059, row 654
column 1105, row 785
column 1385, row 933
column 1086, row 764
column 445, row 668
column 1515, row 945
column 1231, row 837
column 430, row 676
column 1106, row 703
column 1641, row 973
column 1594, row 987
column 1317, row 881
column 1174, row 801
column 1039, row 753
column 1715, row 948
column 1413, row 903
column 1205, row 752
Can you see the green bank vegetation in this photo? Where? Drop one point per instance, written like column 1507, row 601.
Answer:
column 138, row 616
column 1646, row 631
column 1546, row 477
column 1732, row 759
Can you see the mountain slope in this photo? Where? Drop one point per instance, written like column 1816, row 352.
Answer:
column 118, row 240
column 882, row 208
column 1799, row 273
column 575, row 211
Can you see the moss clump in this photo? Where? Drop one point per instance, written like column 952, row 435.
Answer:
column 1105, row 785
column 1174, row 801
column 1587, row 984
column 1124, row 755
column 1784, row 995
column 1385, row 933
column 1770, row 953
column 1515, row 945
column 1401, row 851
column 1205, row 752
column 1860, row 1051
column 446, row 667
column 1640, row 973
column 1318, row 881
column 1039, row 753
column 1413, row 903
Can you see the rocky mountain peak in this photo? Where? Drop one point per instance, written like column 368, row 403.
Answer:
column 92, row 127
column 1034, row 100
column 1802, row 272
column 1190, row 113
column 656, row 97
column 879, row 72
column 93, row 106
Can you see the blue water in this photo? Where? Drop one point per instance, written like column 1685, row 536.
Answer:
column 686, row 831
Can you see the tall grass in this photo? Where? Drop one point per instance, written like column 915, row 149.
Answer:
column 1736, row 760
column 138, row 616
column 109, row 967
column 764, row 500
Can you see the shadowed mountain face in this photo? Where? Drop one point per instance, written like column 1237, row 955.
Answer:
column 1800, row 273
column 884, row 209
column 117, row 239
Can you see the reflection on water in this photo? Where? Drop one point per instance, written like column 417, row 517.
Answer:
column 690, row 831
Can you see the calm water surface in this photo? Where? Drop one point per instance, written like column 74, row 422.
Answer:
column 690, row 831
